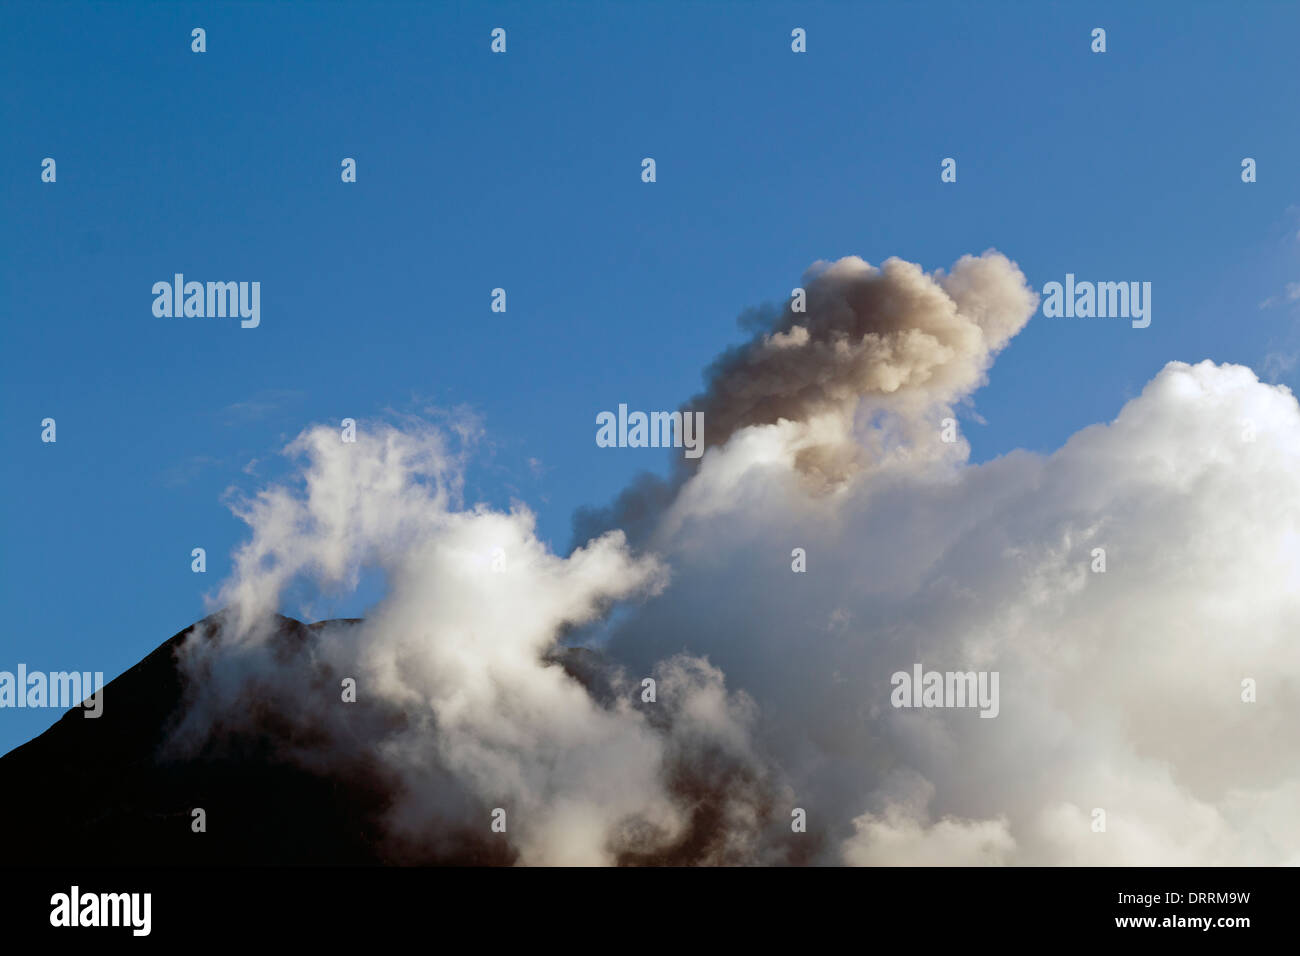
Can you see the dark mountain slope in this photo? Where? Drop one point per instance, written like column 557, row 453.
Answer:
column 103, row 791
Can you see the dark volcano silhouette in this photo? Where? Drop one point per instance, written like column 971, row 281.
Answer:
column 105, row 791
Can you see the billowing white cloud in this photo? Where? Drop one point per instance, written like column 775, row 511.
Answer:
column 1120, row 691
column 468, row 711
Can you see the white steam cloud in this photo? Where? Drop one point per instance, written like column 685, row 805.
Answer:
column 1120, row 691
column 468, row 708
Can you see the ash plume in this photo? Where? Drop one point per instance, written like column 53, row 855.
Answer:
column 891, row 341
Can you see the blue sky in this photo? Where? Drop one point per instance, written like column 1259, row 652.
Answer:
column 522, row 171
